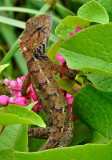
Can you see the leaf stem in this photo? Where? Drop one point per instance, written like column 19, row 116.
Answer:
column 2, row 130
column 79, row 83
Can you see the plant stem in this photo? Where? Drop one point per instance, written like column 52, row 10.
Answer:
column 2, row 130
column 79, row 83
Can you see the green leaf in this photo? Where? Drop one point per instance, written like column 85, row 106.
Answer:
column 81, row 133
column 108, row 6
column 12, row 22
column 98, row 138
column 94, row 108
column 101, row 82
column 90, row 50
column 67, row 85
column 31, row 105
column 15, row 114
column 75, row 21
column 15, row 137
column 63, row 31
column 35, row 144
column 53, row 51
column 93, row 11
column 2, row 67
column 82, row 152
column 20, row 9
column 81, row 1
column 6, row 154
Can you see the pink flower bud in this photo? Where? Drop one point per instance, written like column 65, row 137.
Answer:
column 13, row 84
column 11, row 100
column 76, row 71
column 37, row 107
column 4, row 99
column 76, row 88
column 6, row 82
column 69, row 98
column 71, row 34
column 18, row 86
column 60, row 58
column 72, row 113
column 23, row 78
column 18, row 94
column 12, row 91
column 19, row 81
column 83, row 85
column 78, row 29
column 21, row 101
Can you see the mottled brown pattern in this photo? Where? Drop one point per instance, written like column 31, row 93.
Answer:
column 41, row 75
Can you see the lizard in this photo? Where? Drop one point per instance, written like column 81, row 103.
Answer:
column 41, row 71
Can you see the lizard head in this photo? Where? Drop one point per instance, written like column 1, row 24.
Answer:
column 36, row 34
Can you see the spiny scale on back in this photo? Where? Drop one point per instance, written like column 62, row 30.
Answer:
column 35, row 36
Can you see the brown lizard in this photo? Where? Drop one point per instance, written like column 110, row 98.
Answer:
column 41, row 74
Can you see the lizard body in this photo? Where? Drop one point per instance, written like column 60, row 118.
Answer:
column 41, row 74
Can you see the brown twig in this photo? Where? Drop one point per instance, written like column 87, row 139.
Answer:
column 2, row 130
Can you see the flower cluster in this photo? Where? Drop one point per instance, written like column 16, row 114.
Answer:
column 18, row 99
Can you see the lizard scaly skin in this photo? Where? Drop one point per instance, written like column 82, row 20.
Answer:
column 41, row 74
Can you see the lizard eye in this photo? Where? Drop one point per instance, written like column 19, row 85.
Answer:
column 39, row 29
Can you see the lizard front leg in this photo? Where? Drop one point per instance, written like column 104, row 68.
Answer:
column 69, row 73
column 25, row 84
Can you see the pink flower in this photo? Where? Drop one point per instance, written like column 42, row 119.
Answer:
column 11, row 100
column 4, row 99
column 6, row 82
column 60, row 58
column 13, row 84
column 15, row 89
column 21, row 101
column 37, row 107
column 83, row 85
column 71, row 34
column 78, row 29
column 69, row 98
column 76, row 88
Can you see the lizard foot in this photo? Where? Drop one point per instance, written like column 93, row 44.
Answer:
column 59, row 141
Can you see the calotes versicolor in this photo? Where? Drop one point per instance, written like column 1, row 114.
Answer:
column 41, row 74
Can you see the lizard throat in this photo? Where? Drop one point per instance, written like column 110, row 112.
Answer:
column 43, row 57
